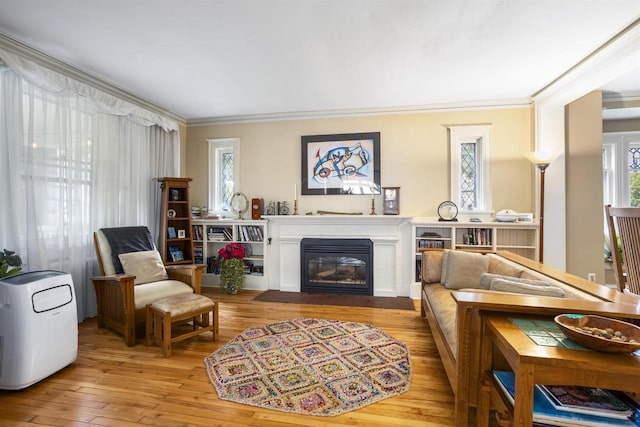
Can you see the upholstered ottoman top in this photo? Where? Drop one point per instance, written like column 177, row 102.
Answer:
column 182, row 304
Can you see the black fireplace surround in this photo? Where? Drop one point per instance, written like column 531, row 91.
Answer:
column 337, row 266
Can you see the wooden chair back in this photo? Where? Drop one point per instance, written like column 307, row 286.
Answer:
column 625, row 224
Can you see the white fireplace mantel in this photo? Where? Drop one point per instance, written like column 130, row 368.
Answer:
column 390, row 235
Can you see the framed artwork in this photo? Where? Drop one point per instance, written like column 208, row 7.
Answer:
column 182, row 234
column 341, row 164
column 172, row 232
column 391, row 200
column 175, row 194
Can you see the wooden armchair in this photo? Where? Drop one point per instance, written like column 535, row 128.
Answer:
column 133, row 276
column 625, row 223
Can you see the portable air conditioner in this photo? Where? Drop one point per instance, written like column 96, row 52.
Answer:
column 38, row 327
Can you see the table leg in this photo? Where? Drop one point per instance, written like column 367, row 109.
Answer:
column 523, row 396
column 484, row 389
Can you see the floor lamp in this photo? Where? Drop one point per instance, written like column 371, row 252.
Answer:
column 542, row 160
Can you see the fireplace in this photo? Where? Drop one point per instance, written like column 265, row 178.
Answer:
column 338, row 266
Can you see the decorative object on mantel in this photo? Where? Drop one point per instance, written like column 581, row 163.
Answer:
column 341, row 164
column 232, row 267
column 334, row 213
column 391, row 200
column 447, row 211
column 271, row 208
column 283, row 208
column 239, row 204
column 257, row 206
column 310, row 367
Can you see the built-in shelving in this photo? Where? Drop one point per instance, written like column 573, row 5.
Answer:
column 518, row 237
column 209, row 236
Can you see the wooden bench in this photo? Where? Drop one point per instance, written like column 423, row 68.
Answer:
column 163, row 313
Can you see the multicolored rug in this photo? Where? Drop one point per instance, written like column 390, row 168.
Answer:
column 310, row 366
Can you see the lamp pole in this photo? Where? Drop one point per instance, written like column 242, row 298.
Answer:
column 542, row 167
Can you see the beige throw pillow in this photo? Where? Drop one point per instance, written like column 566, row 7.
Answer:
column 147, row 266
column 432, row 266
column 501, row 266
column 464, row 269
column 487, row 278
column 504, row 285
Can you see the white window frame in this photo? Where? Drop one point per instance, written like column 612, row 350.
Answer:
column 217, row 147
column 618, row 143
column 480, row 135
column 609, row 168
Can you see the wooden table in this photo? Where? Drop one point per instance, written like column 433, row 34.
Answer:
column 537, row 364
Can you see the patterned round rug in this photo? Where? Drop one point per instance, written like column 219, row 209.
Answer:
column 310, row 366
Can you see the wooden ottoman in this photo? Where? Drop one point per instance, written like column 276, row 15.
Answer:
column 163, row 313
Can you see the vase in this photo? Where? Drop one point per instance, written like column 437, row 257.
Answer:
column 232, row 275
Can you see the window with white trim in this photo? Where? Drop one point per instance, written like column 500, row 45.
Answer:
column 470, row 167
column 224, row 173
column 621, row 169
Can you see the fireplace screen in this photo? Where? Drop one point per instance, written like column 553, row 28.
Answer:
column 337, row 269
column 343, row 266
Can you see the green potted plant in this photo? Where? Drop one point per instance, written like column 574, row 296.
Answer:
column 232, row 267
column 10, row 263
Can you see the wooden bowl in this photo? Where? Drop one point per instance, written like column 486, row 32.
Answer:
column 570, row 324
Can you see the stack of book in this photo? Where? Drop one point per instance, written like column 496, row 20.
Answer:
column 575, row 406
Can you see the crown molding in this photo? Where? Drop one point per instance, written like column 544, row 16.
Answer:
column 327, row 114
column 613, row 58
column 56, row 65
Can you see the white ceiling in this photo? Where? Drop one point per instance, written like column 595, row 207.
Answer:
column 219, row 58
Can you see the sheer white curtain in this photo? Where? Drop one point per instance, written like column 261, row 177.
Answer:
column 68, row 168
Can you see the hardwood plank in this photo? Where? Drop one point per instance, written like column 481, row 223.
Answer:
column 111, row 384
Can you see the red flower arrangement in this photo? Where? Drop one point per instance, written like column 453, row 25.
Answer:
column 232, row 250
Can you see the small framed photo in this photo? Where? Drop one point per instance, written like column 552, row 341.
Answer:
column 181, row 234
column 177, row 256
column 175, row 194
column 172, row 232
column 391, row 200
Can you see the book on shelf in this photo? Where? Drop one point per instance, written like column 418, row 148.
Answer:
column 213, row 264
column 196, row 232
column 250, row 233
column 587, row 400
column 545, row 413
column 431, row 244
column 477, row 237
column 218, row 234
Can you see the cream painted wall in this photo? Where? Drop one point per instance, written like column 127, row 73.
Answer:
column 414, row 150
column 585, row 216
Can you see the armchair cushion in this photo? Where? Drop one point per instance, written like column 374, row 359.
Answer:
column 150, row 292
column 119, row 240
column 147, row 266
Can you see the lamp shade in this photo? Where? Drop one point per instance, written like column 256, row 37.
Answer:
column 542, row 157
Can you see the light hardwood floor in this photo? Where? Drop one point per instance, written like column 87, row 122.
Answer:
column 113, row 385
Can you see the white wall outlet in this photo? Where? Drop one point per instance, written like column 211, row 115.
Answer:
column 591, row 277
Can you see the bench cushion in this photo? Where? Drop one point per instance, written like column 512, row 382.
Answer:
column 183, row 304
